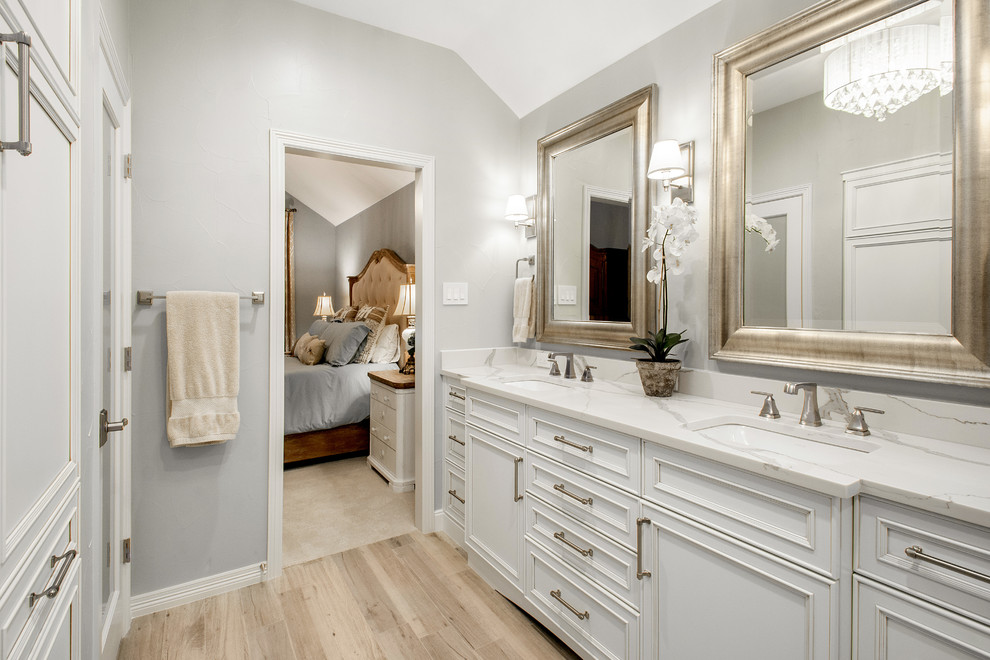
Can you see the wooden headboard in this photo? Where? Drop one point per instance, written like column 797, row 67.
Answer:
column 378, row 283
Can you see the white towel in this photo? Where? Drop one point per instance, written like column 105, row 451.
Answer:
column 523, row 310
column 203, row 367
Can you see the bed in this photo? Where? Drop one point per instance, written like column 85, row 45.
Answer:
column 326, row 407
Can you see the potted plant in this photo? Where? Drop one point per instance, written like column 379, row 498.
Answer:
column 668, row 235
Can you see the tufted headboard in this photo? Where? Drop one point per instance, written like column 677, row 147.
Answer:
column 378, row 283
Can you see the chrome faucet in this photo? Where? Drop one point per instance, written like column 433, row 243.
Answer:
column 569, row 368
column 809, row 413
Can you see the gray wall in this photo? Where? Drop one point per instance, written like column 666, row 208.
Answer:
column 315, row 253
column 210, row 81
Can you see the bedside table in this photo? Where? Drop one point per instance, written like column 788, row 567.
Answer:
column 392, row 428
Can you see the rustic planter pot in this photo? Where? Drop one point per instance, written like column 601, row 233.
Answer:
column 658, row 378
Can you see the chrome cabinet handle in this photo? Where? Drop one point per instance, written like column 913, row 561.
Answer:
column 53, row 590
column 454, row 438
column 456, row 395
column 23, row 41
column 583, row 500
column 453, row 493
column 562, row 439
column 578, row 613
column 590, row 552
column 640, row 573
column 915, row 552
column 515, row 486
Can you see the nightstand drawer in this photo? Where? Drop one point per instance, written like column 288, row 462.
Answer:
column 383, row 455
column 454, row 437
column 382, row 415
column 382, row 394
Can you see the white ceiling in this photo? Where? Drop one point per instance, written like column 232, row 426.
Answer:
column 339, row 190
column 526, row 51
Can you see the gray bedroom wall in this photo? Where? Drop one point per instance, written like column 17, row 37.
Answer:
column 211, row 78
column 680, row 63
column 315, row 254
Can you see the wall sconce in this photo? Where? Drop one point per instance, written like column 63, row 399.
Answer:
column 673, row 165
column 324, row 306
column 518, row 210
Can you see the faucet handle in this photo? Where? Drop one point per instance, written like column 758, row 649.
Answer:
column 857, row 424
column 769, row 409
column 554, row 367
column 586, row 376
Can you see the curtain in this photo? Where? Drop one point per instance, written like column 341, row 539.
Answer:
column 290, row 282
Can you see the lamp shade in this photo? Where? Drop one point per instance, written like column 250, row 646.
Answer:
column 665, row 162
column 324, row 306
column 515, row 209
column 406, row 306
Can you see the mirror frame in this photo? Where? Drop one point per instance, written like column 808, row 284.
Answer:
column 635, row 110
column 961, row 358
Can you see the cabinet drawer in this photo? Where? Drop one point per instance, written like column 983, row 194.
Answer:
column 608, row 455
column 586, row 551
column 500, row 416
column 594, row 619
column 454, row 437
column 453, row 480
column 384, row 434
column 383, row 416
column 798, row 524
column 611, row 511
column 886, row 530
column 383, row 455
column 383, row 394
column 454, row 394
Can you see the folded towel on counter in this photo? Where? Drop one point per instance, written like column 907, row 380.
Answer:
column 523, row 310
column 203, row 367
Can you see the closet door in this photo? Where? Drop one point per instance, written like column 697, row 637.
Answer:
column 39, row 336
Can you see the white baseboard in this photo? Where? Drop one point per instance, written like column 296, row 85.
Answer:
column 442, row 523
column 180, row 594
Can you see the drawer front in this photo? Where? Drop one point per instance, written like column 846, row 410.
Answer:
column 383, row 416
column 591, row 554
column 454, row 437
column 383, row 454
column 500, row 416
column 791, row 522
column 611, row 511
column 453, row 480
column 610, row 456
column 384, row 434
column 454, row 394
column 886, row 530
column 595, row 620
column 383, row 394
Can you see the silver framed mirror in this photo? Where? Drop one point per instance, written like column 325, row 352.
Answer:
column 593, row 204
column 908, row 282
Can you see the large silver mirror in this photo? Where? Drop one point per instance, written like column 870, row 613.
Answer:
column 593, row 200
column 851, row 215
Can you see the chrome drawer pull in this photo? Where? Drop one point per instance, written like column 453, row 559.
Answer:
column 456, row 395
column 453, row 493
column 454, row 438
column 560, row 438
column 915, row 552
column 583, row 500
column 52, row 591
column 640, row 573
column 23, row 143
column 590, row 552
column 515, row 486
column 579, row 614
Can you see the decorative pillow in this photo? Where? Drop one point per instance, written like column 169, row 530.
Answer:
column 318, row 327
column 301, row 343
column 313, row 352
column 372, row 314
column 375, row 318
column 389, row 346
column 342, row 341
column 346, row 313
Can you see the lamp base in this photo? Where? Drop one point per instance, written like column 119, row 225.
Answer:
column 409, row 368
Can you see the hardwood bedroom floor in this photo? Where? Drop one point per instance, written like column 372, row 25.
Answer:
column 412, row 596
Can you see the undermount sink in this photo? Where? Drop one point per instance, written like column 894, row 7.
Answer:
column 535, row 385
column 776, row 435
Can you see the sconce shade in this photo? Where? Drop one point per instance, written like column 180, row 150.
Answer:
column 324, row 306
column 665, row 162
column 406, row 306
column 515, row 209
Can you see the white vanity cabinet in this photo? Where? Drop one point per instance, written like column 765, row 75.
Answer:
column 454, row 442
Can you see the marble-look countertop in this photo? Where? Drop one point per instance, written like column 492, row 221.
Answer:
column 935, row 475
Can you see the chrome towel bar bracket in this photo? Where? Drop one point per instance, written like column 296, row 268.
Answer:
column 147, row 297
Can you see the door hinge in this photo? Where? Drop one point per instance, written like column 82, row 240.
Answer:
column 127, row 358
column 126, row 554
column 128, row 166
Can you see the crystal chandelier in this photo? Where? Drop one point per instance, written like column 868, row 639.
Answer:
column 881, row 72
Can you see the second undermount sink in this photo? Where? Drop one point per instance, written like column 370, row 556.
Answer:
column 777, row 435
column 535, row 385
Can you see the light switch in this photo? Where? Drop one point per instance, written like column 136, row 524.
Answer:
column 566, row 294
column 455, row 293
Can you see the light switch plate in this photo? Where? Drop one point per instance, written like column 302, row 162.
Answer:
column 566, row 294
column 455, row 293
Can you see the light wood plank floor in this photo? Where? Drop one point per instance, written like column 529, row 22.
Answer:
column 412, row 596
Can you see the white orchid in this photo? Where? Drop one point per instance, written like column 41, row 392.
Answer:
column 669, row 234
column 754, row 224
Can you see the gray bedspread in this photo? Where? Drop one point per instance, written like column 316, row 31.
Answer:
column 323, row 397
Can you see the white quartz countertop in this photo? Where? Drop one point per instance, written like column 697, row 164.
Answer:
column 934, row 475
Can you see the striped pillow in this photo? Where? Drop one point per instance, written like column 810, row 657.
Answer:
column 374, row 318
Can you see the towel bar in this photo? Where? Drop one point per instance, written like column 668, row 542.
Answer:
column 146, row 297
column 531, row 260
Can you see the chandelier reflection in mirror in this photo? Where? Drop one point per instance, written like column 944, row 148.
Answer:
column 879, row 69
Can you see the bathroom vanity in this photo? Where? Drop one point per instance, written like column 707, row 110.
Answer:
column 692, row 528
